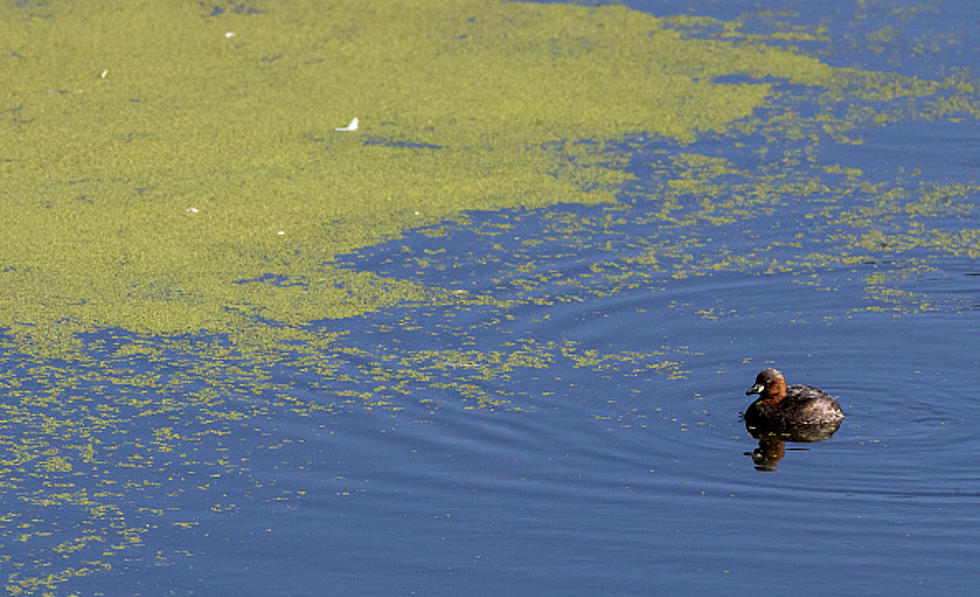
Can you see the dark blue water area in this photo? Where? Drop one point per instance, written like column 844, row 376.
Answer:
column 612, row 482
column 908, row 38
column 943, row 151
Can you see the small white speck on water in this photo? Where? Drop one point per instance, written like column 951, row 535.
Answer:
column 352, row 126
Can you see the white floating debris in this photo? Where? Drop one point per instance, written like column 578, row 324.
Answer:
column 418, row 213
column 104, row 74
column 192, row 210
column 350, row 127
column 281, row 232
column 229, row 34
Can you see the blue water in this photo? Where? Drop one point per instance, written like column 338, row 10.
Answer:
column 564, row 420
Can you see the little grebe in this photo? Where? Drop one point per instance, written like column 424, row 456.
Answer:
column 781, row 406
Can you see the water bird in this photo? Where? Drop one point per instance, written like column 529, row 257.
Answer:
column 781, row 406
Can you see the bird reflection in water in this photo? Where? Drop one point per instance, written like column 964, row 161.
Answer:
column 772, row 441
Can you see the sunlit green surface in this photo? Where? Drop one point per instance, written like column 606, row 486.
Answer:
column 153, row 159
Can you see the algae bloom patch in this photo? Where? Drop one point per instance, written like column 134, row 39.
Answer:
column 164, row 163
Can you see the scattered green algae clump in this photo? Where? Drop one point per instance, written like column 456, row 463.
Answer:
column 170, row 169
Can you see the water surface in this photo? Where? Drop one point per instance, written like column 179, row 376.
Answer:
column 556, row 411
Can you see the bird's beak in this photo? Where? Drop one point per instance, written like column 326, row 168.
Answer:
column 756, row 389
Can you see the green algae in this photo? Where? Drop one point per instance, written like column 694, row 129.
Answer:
column 148, row 174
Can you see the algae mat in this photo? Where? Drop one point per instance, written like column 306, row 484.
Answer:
column 174, row 167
